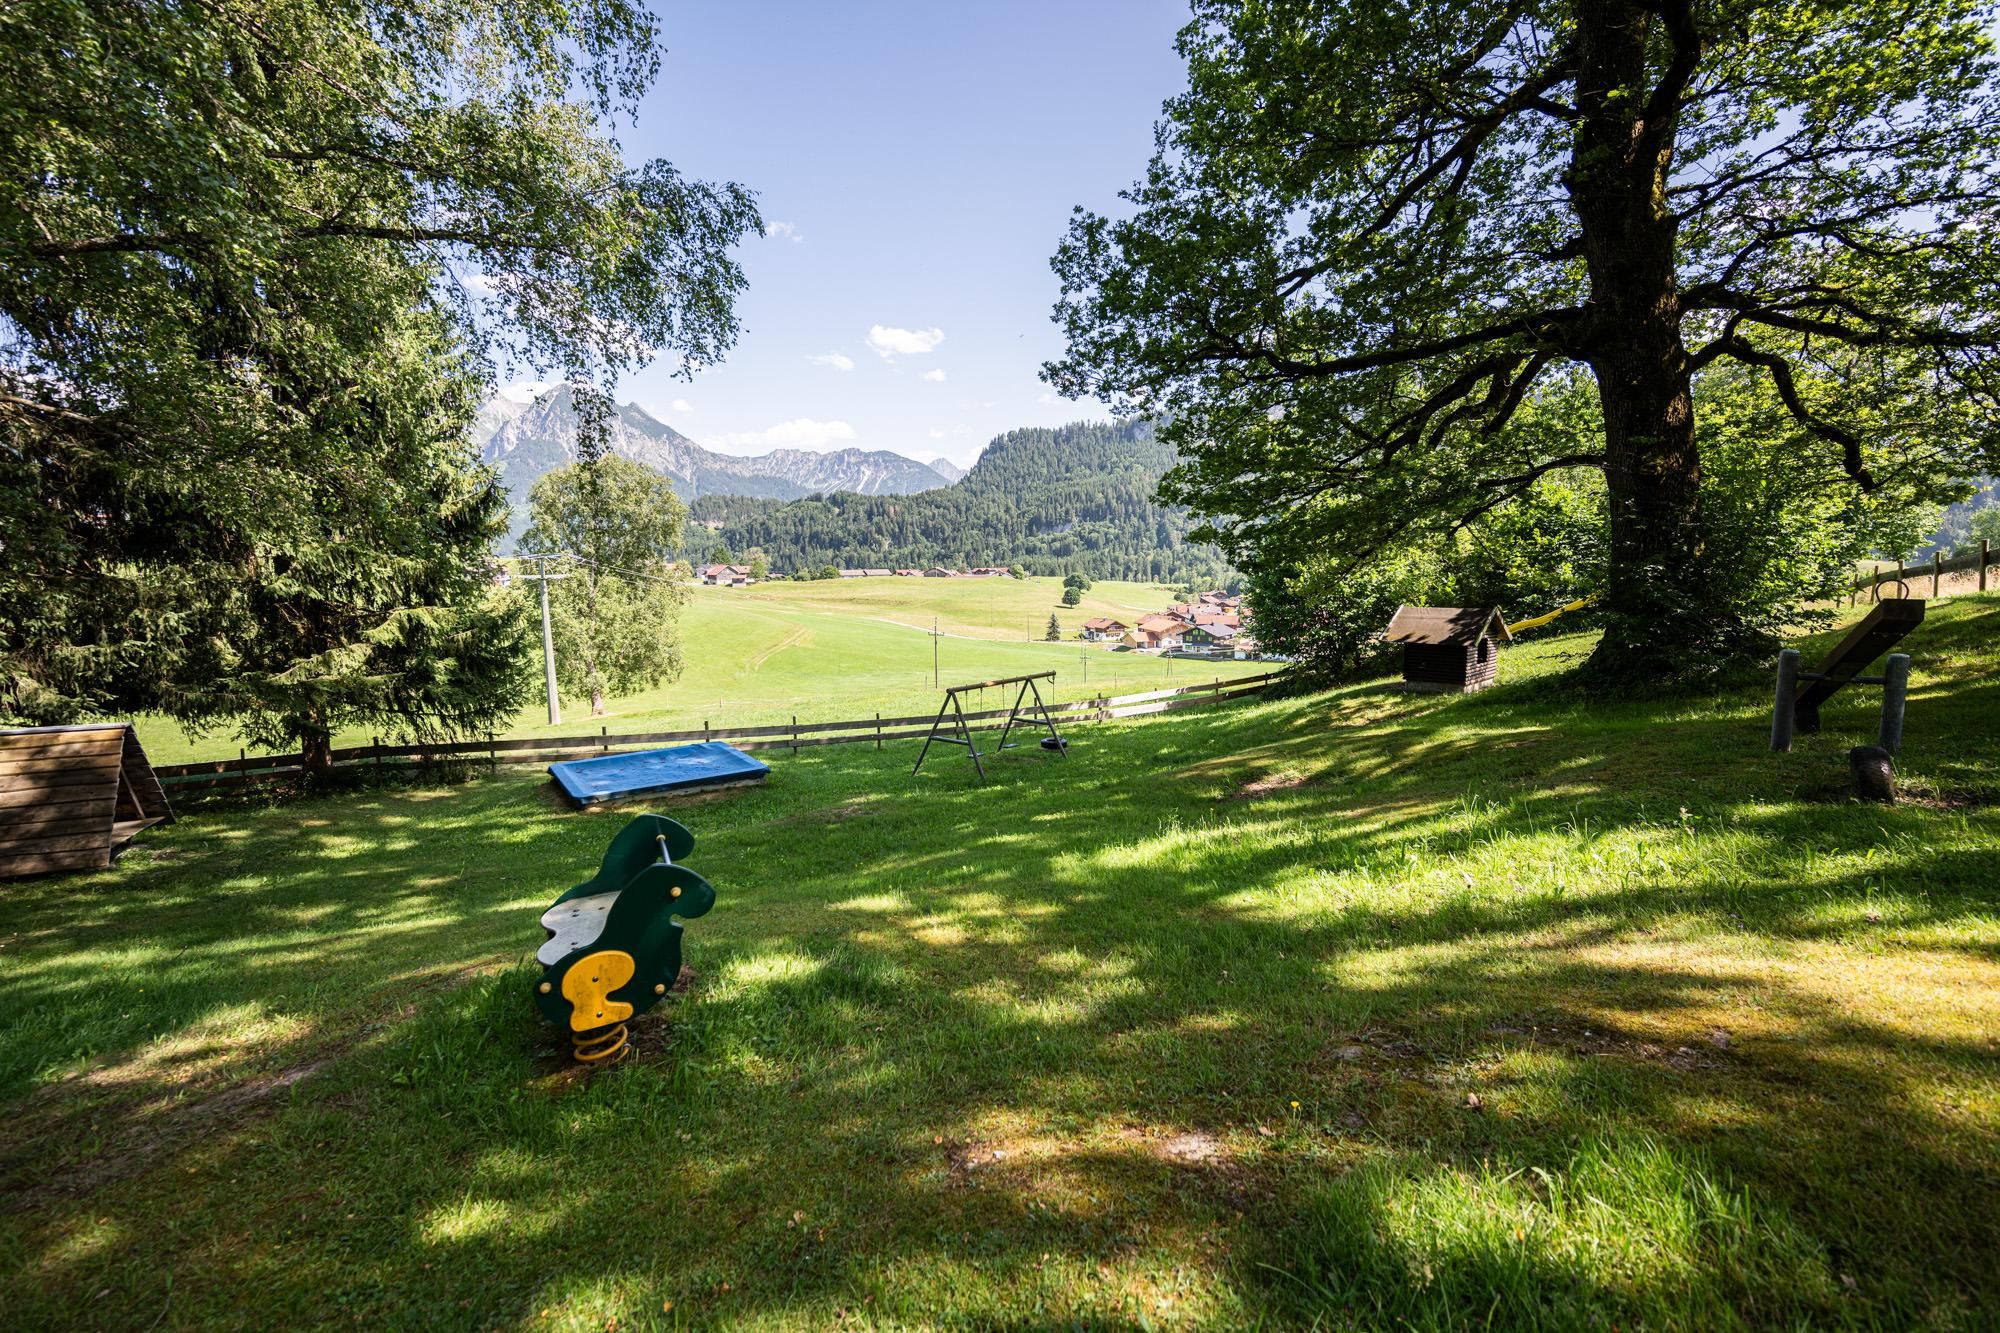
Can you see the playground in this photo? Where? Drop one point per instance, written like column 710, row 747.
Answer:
column 1357, row 1008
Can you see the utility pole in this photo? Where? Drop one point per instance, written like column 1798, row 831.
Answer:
column 548, row 637
column 934, row 653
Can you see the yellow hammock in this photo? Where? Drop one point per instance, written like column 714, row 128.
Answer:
column 1541, row 620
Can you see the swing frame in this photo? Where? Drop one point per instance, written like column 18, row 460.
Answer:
column 941, row 730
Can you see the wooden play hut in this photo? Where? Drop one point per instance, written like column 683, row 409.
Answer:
column 1448, row 649
column 72, row 798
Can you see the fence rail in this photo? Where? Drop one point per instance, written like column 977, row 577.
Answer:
column 248, row 769
column 1938, row 566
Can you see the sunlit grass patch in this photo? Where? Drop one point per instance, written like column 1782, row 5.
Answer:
column 1516, row 1009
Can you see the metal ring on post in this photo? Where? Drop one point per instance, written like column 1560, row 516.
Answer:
column 1898, row 582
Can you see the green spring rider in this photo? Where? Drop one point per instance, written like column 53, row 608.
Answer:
column 614, row 947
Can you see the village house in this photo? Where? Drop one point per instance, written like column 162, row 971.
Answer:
column 936, row 572
column 1103, row 629
column 1164, row 633
column 726, row 575
column 989, row 572
column 909, row 573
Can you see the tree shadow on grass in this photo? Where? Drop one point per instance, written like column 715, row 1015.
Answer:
column 1116, row 975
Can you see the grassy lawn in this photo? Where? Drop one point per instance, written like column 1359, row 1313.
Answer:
column 1350, row 1010
column 842, row 649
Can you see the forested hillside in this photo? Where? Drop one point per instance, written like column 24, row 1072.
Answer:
column 1079, row 497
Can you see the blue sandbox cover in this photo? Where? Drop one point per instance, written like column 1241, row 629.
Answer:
column 681, row 767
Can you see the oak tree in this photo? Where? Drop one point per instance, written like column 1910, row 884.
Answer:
column 1372, row 232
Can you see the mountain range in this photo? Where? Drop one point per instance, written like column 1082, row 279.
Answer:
column 522, row 439
column 1081, row 498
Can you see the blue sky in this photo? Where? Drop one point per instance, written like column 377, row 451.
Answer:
column 918, row 163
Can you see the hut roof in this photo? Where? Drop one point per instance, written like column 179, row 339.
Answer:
column 1440, row 625
column 72, row 797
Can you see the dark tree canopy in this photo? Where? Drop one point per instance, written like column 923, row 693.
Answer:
column 1373, row 232
column 215, row 217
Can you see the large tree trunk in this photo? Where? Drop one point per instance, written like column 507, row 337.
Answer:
column 1655, row 596
column 316, row 754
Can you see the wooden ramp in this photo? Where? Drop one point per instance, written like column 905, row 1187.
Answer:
column 72, row 798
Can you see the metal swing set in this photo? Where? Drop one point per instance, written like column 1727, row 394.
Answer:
column 957, row 731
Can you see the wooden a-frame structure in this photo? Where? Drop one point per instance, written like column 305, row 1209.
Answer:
column 72, row 798
column 957, row 732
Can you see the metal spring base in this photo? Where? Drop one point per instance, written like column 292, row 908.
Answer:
column 600, row 1046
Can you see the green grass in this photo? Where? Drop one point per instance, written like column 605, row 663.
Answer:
column 842, row 649
column 1351, row 1010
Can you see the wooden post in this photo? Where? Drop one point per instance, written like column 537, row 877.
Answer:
column 378, row 752
column 1783, row 712
column 604, row 738
column 1984, row 555
column 1937, row 571
column 1895, row 690
column 878, row 728
column 795, row 733
column 704, row 731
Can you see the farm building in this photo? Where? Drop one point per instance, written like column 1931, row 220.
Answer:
column 1448, row 649
column 1100, row 629
column 73, row 797
column 1157, row 631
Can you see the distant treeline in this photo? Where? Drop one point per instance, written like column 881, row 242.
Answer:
column 1079, row 497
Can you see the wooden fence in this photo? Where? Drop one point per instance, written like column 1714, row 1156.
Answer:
column 1913, row 577
column 793, row 735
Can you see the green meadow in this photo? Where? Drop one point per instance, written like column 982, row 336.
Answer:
column 835, row 650
column 1348, row 1010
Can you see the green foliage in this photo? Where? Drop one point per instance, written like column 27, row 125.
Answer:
column 1077, row 581
column 1055, row 626
column 1081, row 497
column 1326, row 617
column 1375, row 240
column 1072, row 595
column 387, row 619
column 216, row 223
column 616, row 613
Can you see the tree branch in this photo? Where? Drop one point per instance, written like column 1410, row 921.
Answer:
column 1788, row 392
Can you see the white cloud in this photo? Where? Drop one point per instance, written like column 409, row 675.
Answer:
column 888, row 341
column 934, row 376
column 682, row 406
column 798, row 433
column 834, row 359
column 479, row 284
column 783, row 231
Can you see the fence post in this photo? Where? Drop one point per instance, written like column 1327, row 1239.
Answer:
column 1984, row 555
column 1895, row 691
column 1783, row 713
column 704, row 731
column 604, row 738
column 1937, row 572
column 378, row 752
column 878, row 728
column 795, row 733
